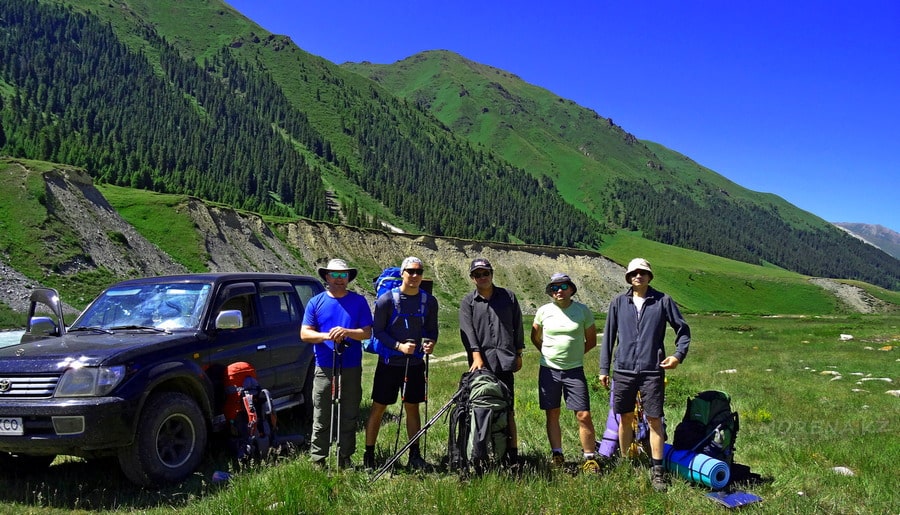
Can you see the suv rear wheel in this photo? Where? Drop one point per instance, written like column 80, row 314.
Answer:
column 169, row 443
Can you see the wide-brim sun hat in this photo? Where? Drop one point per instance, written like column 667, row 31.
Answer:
column 337, row 265
column 560, row 278
column 637, row 264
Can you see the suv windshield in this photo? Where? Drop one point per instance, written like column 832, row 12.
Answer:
column 163, row 306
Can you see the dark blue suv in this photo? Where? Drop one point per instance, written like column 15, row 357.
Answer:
column 139, row 375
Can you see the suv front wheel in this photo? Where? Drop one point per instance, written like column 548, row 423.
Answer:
column 169, row 443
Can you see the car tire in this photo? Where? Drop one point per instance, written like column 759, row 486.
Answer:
column 169, row 443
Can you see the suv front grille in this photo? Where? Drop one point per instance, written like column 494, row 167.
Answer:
column 28, row 387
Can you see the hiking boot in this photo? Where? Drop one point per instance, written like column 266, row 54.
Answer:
column 369, row 461
column 658, row 478
column 344, row 462
column 416, row 462
column 557, row 460
column 590, row 466
column 510, row 458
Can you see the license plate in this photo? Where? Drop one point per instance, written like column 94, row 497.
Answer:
column 11, row 426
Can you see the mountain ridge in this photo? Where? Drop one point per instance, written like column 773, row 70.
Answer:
column 876, row 235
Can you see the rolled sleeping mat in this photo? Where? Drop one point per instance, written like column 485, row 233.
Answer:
column 610, row 441
column 696, row 467
column 608, row 445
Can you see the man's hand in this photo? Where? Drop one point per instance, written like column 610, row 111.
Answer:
column 604, row 380
column 428, row 346
column 477, row 362
column 337, row 334
column 669, row 363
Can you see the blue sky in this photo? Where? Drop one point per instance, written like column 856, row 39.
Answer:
column 799, row 98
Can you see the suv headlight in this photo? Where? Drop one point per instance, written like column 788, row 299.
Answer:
column 89, row 381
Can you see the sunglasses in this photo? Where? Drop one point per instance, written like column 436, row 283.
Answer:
column 339, row 275
column 479, row 275
column 414, row 271
column 558, row 287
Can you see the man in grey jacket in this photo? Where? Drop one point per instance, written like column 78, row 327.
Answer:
column 637, row 319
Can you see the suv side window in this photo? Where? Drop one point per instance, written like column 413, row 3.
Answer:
column 278, row 304
column 238, row 296
column 276, row 308
column 242, row 303
column 306, row 292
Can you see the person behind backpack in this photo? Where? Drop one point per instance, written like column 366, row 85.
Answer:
column 637, row 320
column 335, row 321
column 411, row 334
column 564, row 331
column 490, row 326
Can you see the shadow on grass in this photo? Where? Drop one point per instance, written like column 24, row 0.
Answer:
column 99, row 484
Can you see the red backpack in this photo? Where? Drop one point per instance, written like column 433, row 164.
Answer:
column 249, row 412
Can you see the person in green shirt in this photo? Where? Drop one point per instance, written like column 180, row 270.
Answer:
column 563, row 332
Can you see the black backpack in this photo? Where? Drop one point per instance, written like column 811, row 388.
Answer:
column 709, row 426
column 479, row 425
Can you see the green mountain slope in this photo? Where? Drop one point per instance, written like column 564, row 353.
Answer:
column 215, row 117
column 621, row 181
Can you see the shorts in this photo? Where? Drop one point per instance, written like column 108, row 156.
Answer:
column 626, row 387
column 389, row 382
column 555, row 384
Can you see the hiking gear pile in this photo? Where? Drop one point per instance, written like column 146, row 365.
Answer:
column 709, row 426
column 479, row 423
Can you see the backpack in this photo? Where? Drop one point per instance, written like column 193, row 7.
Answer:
column 389, row 281
column 709, row 426
column 249, row 412
column 479, row 425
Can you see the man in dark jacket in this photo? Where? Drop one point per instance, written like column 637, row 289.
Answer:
column 490, row 326
column 411, row 329
column 637, row 319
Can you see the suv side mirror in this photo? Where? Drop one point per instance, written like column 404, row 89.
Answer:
column 43, row 326
column 230, row 319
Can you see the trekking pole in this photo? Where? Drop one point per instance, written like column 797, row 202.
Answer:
column 424, row 430
column 340, row 375
column 331, row 439
column 402, row 402
column 425, row 440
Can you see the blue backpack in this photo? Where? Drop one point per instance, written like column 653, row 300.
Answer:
column 389, row 281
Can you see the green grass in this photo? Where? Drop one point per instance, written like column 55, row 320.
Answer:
column 704, row 283
column 164, row 220
column 796, row 425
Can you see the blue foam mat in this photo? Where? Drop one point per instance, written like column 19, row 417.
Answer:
column 734, row 499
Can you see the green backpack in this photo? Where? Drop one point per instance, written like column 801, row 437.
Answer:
column 709, row 426
column 479, row 426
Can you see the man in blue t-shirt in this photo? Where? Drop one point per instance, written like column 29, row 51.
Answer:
column 335, row 321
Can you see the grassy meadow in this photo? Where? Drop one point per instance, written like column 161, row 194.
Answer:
column 808, row 401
